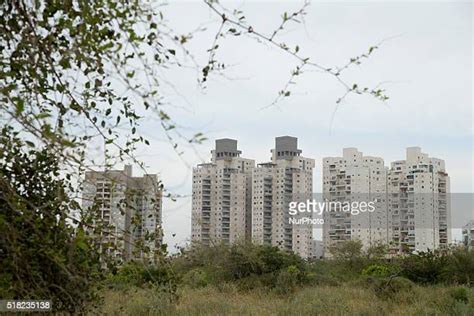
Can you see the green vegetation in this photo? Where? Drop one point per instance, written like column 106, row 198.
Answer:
column 41, row 254
column 310, row 300
column 249, row 279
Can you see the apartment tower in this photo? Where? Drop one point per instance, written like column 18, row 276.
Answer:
column 128, row 209
column 222, row 195
column 288, row 177
column 354, row 178
column 419, row 203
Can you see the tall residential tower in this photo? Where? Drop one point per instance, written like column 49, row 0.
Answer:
column 419, row 203
column 221, row 202
column 354, row 178
column 288, row 177
column 129, row 210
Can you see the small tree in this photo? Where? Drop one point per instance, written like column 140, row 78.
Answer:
column 461, row 266
column 426, row 267
column 350, row 251
column 376, row 251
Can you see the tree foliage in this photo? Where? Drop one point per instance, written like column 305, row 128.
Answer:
column 42, row 256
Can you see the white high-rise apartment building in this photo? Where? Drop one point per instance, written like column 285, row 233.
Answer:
column 354, row 178
column 222, row 193
column 129, row 209
column 419, row 203
column 288, row 177
column 412, row 203
column 468, row 235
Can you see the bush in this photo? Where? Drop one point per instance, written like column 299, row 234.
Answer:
column 142, row 275
column 348, row 252
column 426, row 267
column 254, row 282
column 287, row 280
column 42, row 255
column 386, row 288
column 460, row 294
column 460, row 267
column 377, row 270
column 196, row 278
column 236, row 262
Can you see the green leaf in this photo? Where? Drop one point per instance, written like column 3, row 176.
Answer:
column 20, row 106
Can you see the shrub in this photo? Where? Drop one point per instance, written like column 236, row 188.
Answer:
column 237, row 261
column 255, row 282
column 143, row 275
column 42, row 255
column 460, row 294
column 377, row 270
column 196, row 278
column 287, row 280
column 386, row 288
column 460, row 267
column 426, row 267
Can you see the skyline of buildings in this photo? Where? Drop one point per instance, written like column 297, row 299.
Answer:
column 236, row 199
column 233, row 200
column 412, row 208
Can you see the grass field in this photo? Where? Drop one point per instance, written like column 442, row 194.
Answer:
column 260, row 280
column 344, row 299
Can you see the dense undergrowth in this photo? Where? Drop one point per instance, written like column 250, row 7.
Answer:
column 253, row 279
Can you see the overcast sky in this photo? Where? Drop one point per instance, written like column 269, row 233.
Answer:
column 425, row 63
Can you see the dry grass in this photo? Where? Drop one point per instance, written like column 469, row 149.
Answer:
column 320, row 300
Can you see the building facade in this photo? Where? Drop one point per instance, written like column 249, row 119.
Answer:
column 411, row 198
column 354, row 177
column 288, row 177
column 221, row 198
column 128, row 209
column 419, row 203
